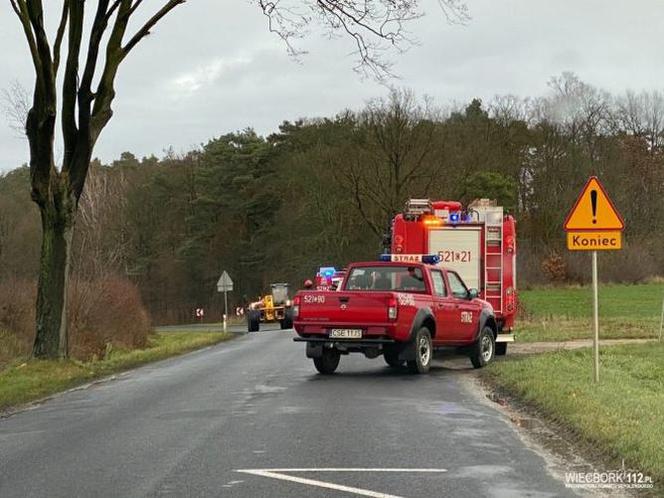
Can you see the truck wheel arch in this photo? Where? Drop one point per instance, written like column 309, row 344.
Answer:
column 423, row 318
column 487, row 319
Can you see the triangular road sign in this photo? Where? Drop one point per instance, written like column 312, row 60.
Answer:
column 594, row 210
column 225, row 283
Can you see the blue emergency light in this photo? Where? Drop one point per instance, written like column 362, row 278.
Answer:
column 327, row 271
column 455, row 217
column 431, row 259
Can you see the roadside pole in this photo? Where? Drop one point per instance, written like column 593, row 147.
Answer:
column 225, row 310
column 661, row 322
column 595, row 319
column 225, row 284
column 594, row 224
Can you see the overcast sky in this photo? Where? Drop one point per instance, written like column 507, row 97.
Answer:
column 212, row 66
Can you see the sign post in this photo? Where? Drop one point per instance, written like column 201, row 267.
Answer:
column 661, row 322
column 225, row 285
column 594, row 225
column 595, row 320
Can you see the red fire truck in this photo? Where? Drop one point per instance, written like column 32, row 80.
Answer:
column 328, row 278
column 477, row 241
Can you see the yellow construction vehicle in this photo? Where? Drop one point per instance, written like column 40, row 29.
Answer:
column 270, row 308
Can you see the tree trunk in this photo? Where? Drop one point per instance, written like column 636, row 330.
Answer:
column 51, row 340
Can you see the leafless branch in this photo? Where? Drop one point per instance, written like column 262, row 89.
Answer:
column 60, row 35
column 375, row 26
column 145, row 29
column 70, row 80
column 21, row 10
column 112, row 9
column 15, row 105
column 15, row 7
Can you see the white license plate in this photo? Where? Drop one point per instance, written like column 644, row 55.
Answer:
column 346, row 333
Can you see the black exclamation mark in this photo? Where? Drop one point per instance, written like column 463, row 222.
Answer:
column 593, row 201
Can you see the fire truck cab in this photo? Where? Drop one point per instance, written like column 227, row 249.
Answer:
column 478, row 242
column 328, row 278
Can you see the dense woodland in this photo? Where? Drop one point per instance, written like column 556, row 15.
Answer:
column 322, row 191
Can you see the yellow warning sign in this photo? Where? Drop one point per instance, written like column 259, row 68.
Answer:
column 594, row 210
column 594, row 241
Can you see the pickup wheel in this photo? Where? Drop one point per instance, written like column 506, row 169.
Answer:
column 501, row 348
column 328, row 362
column 392, row 359
column 423, row 352
column 484, row 349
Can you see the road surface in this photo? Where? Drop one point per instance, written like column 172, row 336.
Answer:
column 218, row 422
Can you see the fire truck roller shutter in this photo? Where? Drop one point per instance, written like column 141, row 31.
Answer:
column 460, row 250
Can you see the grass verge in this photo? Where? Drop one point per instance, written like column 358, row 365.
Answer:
column 32, row 380
column 622, row 417
column 568, row 329
column 565, row 313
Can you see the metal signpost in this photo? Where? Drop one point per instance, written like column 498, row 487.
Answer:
column 225, row 285
column 661, row 322
column 594, row 225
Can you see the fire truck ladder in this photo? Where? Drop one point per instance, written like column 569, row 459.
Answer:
column 493, row 268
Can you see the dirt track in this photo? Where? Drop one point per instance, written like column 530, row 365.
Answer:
column 545, row 347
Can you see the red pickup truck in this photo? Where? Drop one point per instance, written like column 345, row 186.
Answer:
column 400, row 310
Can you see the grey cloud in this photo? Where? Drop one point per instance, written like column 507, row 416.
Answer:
column 211, row 68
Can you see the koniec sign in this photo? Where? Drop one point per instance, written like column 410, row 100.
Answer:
column 594, row 224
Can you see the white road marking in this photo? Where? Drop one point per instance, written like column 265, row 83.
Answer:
column 279, row 474
column 340, row 469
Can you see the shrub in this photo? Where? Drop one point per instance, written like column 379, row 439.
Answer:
column 103, row 314
column 106, row 313
column 17, row 317
column 633, row 264
column 555, row 268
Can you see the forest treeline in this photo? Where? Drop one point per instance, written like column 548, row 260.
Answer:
column 322, row 191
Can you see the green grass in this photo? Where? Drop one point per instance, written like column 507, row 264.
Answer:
column 10, row 349
column 32, row 380
column 623, row 415
column 565, row 313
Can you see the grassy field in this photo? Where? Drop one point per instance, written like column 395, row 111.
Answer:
column 565, row 313
column 623, row 415
column 32, row 380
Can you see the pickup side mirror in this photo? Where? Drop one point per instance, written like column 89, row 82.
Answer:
column 473, row 293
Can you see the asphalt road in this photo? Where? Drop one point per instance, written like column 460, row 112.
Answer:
column 210, row 424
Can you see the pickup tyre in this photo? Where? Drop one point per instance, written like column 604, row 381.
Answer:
column 328, row 362
column 423, row 352
column 484, row 349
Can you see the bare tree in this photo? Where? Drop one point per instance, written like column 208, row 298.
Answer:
column 509, row 108
column 395, row 156
column 86, row 109
column 100, row 246
column 642, row 115
column 87, row 97
column 578, row 109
